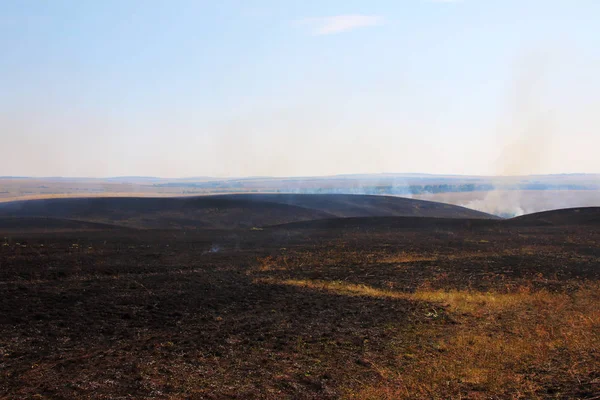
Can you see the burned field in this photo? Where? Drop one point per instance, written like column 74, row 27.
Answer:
column 364, row 308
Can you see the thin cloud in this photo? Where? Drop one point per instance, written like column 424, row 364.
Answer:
column 341, row 23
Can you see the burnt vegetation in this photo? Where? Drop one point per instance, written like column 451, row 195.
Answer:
column 305, row 297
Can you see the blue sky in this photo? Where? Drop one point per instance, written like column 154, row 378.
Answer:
column 274, row 87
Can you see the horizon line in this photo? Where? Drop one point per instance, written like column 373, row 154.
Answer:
column 271, row 177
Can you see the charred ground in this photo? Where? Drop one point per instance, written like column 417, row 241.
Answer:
column 365, row 307
column 229, row 211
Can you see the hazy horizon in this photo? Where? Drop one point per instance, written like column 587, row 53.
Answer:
column 234, row 89
column 374, row 174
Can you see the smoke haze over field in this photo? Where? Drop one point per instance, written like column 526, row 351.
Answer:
column 503, row 196
column 269, row 88
column 528, row 132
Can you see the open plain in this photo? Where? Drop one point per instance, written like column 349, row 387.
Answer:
column 317, row 298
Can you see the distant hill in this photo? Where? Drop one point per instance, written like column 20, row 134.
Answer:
column 10, row 225
column 230, row 211
column 563, row 217
column 384, row 223
column 347, row 205
column 587, row 216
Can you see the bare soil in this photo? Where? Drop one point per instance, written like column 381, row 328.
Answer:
column 360, row 308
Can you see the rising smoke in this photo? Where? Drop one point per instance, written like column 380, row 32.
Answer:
column 527, row 135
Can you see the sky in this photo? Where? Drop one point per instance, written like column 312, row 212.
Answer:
column 225, row 88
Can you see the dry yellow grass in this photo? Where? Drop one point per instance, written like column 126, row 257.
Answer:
column 269, row 263
column 513, row 345
column 405, row 257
